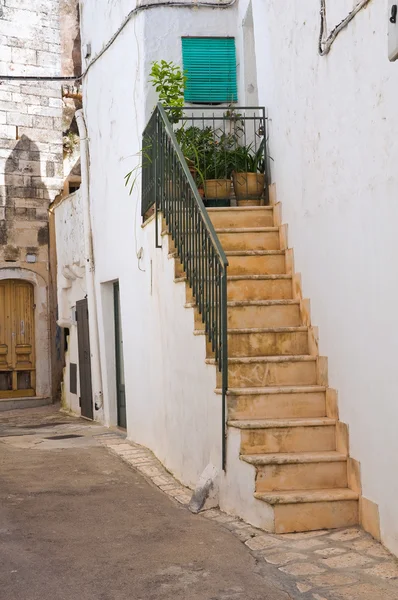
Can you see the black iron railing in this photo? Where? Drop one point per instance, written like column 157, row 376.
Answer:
column 168, row 185
column 224, row 146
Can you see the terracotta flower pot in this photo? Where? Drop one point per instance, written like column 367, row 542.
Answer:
column 217, row 189
column 249, row 188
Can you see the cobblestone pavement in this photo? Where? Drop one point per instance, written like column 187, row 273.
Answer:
column 345, row 564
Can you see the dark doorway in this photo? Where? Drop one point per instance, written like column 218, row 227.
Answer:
column 120, row 384
column 83, row 340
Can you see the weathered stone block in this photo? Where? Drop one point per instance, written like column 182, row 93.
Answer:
column 39, row 135
column 23, row 56
column 42, row 122
column 50, row 169
column 22, row 120
column 48, row 59
column 44, row 111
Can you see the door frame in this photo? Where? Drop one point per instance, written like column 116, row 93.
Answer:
column 120, row 387
column 10, row 339
column 41, row 322
column 83, row 342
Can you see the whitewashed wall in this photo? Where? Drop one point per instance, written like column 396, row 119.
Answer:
column 171, row 407
column 334, row 144
column 71, row 283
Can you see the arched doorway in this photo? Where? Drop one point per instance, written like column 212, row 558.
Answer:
column 17, row 339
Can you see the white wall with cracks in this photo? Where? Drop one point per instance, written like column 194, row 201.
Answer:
column 334, row 147
column 171, row 406
column 333, row 142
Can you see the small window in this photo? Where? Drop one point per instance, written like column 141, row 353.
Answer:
column 210, row 68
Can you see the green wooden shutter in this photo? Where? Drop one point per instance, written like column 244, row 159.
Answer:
column 210, row 65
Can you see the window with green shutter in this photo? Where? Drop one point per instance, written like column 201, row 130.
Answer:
column 210, row 66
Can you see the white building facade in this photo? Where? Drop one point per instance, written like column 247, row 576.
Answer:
column 332, row 148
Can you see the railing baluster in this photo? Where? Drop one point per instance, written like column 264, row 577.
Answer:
column 167, row 182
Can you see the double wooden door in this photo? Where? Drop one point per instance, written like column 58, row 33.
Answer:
column 17, row 339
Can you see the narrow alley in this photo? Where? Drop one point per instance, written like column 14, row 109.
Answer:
column 78, row 523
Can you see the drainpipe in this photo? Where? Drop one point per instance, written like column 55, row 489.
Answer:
column 89, row 264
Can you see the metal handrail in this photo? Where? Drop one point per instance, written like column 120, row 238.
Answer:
column 168, row 184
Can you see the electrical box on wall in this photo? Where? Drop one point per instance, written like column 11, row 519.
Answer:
column 392, row 29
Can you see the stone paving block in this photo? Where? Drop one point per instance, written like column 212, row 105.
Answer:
column 307, row 544
column 162, row 480
column 211, row 514
column 385, row 570
column 347, row 535
column 120, row 447
column 330, row 551
column 377, row 551
column 262, row 542
column 304, row 568
column 182, row 498
column 303, row 587
column 224, row 518
column 282, row 558
column 347, row 561
column 364, row 591
column 139, row 460
column 331, row 580
column 167, row 488
column 150, row 471
column 304, row 535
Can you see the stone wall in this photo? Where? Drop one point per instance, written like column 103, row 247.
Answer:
column 31, row 170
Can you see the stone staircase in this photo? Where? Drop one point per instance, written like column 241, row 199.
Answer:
column 278, row 398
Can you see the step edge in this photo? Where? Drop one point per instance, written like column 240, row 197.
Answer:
column 255, row 252
column 292, row 458
column 308, row 496
column 262, row 330
column 254, row 391
column 239, row 208
column 248, row 424
column 259, row 229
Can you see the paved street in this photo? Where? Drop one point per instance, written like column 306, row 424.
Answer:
column 77, row 523
column 82, row 517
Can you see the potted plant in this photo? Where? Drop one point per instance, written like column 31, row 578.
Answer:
column 215, row 173
column 248, row 175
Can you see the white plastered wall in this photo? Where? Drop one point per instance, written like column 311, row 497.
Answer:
column 71, row 283
column 171, row 405
column 334, row 145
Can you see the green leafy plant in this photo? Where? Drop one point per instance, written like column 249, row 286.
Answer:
column 169, row 81
column 248, row 160
column 144, row 159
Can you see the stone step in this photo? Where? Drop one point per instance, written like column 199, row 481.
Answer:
column 249, row 238
column 260, row 287
column 245, row 262
column 264, row 314
column 259, row 216
column 244, row 288
column 286, row 435
column 270, row 370
column 258, row 314
column 299, row 470
column 268, row 342
column 276, row 402
column 256, row 262
column 311, row 510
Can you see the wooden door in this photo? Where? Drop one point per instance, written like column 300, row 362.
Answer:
column 83, row 341
column 17, row 339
